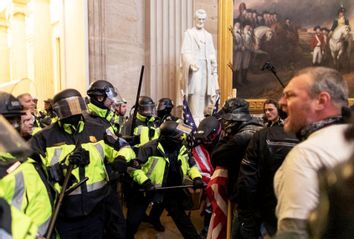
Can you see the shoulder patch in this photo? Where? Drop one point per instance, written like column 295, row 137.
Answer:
column 93, row 139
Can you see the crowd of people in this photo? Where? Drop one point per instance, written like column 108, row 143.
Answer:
column 275, row 177
column 258, row 37
column 320, row 44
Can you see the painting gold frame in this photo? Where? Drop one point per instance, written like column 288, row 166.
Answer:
column 225, row 49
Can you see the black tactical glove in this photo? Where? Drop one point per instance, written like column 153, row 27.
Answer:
column 134, row 163
column 119, row 164
column 198, row 183
column 80, row 157
column 129, row 139
column 55, row 173
column 45, row 121
column 148, row 186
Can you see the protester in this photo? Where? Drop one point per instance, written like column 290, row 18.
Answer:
column 313, row 100
column 272, row 113
column 265, row 153
column 238, row 128
column 206, row 137
column 27, row 122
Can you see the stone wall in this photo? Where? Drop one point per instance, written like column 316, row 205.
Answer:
column 117, row 43
column 125, row 38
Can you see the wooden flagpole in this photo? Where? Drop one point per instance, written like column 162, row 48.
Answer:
column 229, row 220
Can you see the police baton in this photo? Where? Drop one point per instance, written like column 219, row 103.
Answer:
column 137, row 100
column 59, row 202
column 173, row 187
column 64, row 191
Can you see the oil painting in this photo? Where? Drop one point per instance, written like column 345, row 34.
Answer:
column 272, row 39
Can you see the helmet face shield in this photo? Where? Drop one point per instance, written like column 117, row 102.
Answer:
column 70, row 106
column 12, row 147
column 208, row 131
column 113, row 95
column 147, row 110
column 183, row 132
column 10, row 106
column 184, row 128
column 207, row 136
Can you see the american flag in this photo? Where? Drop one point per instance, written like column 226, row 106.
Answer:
column 187, row 115
column 217, row 195
column 202, row 159
column 216, row 106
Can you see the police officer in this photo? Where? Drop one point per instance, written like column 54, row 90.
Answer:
column 103, row 96
column 75, row 140
column 165, row 162
column 164, row 109
column 47, row 116
column 13, row 223
column 145, row 125
column 24, row 184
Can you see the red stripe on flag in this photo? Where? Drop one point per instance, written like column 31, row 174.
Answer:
column 202, row 158
column 217, row 194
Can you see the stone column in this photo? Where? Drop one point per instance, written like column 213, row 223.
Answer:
column 97, row 43
column 166, row 22
column 39, row 45
column 17, row 36
column 75, row 40
column 4, row 51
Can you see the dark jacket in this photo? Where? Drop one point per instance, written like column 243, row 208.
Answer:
column 255, row 195
column 230, row 150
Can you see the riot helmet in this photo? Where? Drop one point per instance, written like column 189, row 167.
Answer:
column 105, row 89
column 12, row 147
column 173, row 132
column 164, row 107
column 208, row 131
column 146, row 106
column 68, row 103
column 11, row 109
